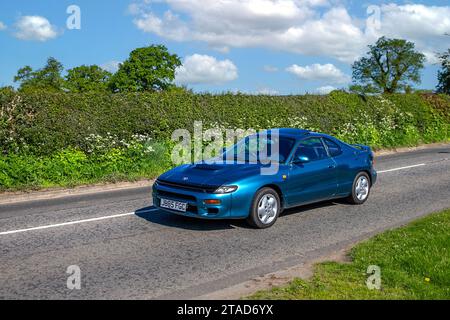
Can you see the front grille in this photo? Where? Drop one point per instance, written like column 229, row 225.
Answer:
column 189, row 187
column 192, row 209
column 176, row 195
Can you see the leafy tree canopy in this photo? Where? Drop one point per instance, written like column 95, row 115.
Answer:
column 48, row 78
column 147, row 69
column 87, row 78
column 391, row 65
column 444, row 74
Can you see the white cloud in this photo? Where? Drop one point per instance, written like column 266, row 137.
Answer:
column 267, row 91
column 431, row 57
column 111, row 66
column 292, row 25
column 325, row 89
column 168, row 26
column 415, row 21
column 35, row 28
column 134, row 8
column 320, row 72
column 268, row 68
column 318, row 3
column 203, row 69
column 2, row 26
column 424, row 25
column 221, row 49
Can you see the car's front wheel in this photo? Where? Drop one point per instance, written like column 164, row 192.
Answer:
column 265, row 208
column 360, row 189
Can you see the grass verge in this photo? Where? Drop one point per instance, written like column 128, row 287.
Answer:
column 71, row 167
column 414, row 262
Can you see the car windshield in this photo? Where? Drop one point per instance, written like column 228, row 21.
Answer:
column 258, row 148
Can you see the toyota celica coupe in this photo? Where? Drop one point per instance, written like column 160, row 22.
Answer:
column 308, row 167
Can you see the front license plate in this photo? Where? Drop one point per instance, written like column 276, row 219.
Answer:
column 173, row 205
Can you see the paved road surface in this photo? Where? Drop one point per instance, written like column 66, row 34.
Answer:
column 151, row 254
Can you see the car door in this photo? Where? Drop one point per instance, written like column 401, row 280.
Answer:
column 344, row 175
column 312, row 173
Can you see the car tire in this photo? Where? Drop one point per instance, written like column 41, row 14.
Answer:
column 360, row 189
column 265, row 209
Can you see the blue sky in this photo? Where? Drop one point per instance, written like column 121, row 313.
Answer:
column 269, row 46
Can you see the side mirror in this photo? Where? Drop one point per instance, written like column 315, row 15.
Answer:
column 301, row 159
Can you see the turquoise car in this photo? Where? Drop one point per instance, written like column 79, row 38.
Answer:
column 307, row 167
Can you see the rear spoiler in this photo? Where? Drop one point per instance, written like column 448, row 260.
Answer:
column 362, row 147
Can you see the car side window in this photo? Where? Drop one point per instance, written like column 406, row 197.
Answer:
column 333, row 148
column 312, row 148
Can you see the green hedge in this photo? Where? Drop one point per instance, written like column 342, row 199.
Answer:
column 60, row 139
column 43, row 123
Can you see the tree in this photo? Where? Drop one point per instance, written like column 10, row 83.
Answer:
column 24, row 74
column 147, row 69
column 444, row 74
column 391, row 65
column 49, row 77
column 87, row 78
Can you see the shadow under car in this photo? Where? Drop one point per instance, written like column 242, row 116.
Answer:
column 154, row 215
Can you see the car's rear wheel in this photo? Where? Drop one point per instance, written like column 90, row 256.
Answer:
column 265, row 208
column 360, row 189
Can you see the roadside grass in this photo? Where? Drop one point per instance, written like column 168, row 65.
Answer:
column 414, row 262
column 71, row 167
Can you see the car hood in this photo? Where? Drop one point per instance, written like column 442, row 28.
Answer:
column 211, row 174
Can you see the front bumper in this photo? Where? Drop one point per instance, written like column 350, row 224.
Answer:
column 195, row 200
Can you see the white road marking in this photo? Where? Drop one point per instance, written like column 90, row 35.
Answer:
column 403, row 168
column 73, row 222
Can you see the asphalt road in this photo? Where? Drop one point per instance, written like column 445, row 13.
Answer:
column 151, row 254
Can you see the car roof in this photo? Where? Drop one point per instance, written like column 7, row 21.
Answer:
column 291, row 132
